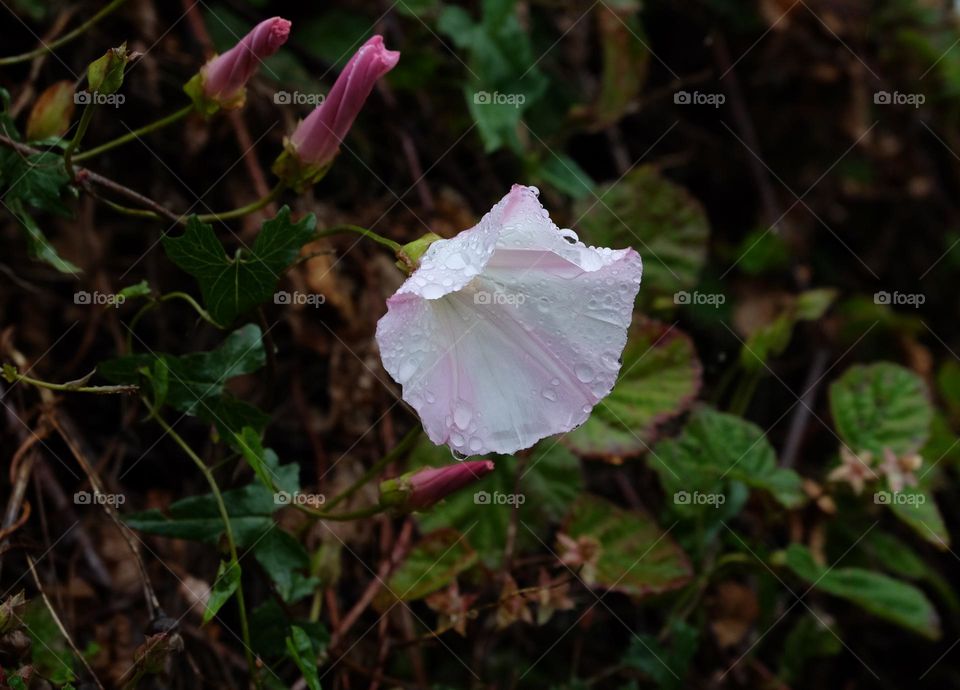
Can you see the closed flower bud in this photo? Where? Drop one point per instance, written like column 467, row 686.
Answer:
column 222, row 80
column 420, row 489
column 315, row 142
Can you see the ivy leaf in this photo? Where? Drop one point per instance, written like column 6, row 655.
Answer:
column 225, row 584
column 635, row 556
column 659, row 379
column 286, row 561
column 876, row 593
column 715, row 451
column 432, row 564
column 196, row 382
column 660, row 219
column 233, row 286
column 269, row 626
column 881, row 405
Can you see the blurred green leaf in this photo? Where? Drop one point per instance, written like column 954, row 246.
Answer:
column 635, row 557
column 304, row 655
column 714, row 450
column 881, row 405
column 224, row 585
column 49, row 653
column 810, row 638
column 771, row 340
column 664, row 662
column 233, row 286
column 659, row 219
column 432, row 563
column 660, row 378
column 876, row 593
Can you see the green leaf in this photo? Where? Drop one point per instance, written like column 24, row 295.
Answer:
column 285, row 561
column 659, row 379
column 660, row 219
column 49, row 653
column 233, row 286
column 433, row 563
column 810, row 638
column 197, row 518
column 666, row 664
column 196, row 382
column 564, row 174
column 636, row 557
column 625, row 61
column 714, row 451
column 916, row 507
column 141, row 289
column 269, row 626
column 879, row 406
column 548, row 482
column 301, row 650
column 875, row 593
column 771, row 340
column 225, row 584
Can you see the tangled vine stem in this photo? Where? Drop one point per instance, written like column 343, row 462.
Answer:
column 11, row 375
column 63, row 40
column 135, row 134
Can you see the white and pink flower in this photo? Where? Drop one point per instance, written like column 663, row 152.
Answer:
column 511, row 331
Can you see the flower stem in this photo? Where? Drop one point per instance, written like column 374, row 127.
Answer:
column 11, row 374
column 228, row 532
column 369, row 234
column 85, row 119
column 135, row 134
column 66, row 38
column 244, row 210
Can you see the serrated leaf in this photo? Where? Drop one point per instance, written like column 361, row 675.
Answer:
column 224, row 585
column 660, row 219
column 660, row 377
column 233, row 286
column 876, row 593
column 431, row 564
column 636, row 557
column 716, row 449
column 879, row 406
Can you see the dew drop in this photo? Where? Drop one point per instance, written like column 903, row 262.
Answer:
column 432, row 291
column 584, row 373
column 549, row 394
column 462, row 414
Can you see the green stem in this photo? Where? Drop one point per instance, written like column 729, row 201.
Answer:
column 228, row 531
column 406, row 443
column 244, row 210
column 66, row 38
column 135, row 134
column 12, row 375
column 744, row 393
column 85, row 119
column 369, row 234
column 154, row 303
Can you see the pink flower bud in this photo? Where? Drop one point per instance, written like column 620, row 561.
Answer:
column 317, row 139
column 225, row 75
column 422, row 488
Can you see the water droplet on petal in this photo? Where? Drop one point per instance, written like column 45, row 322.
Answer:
column 462, row 414
column 432, row 291
column 584, row 373
column 549, row 394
